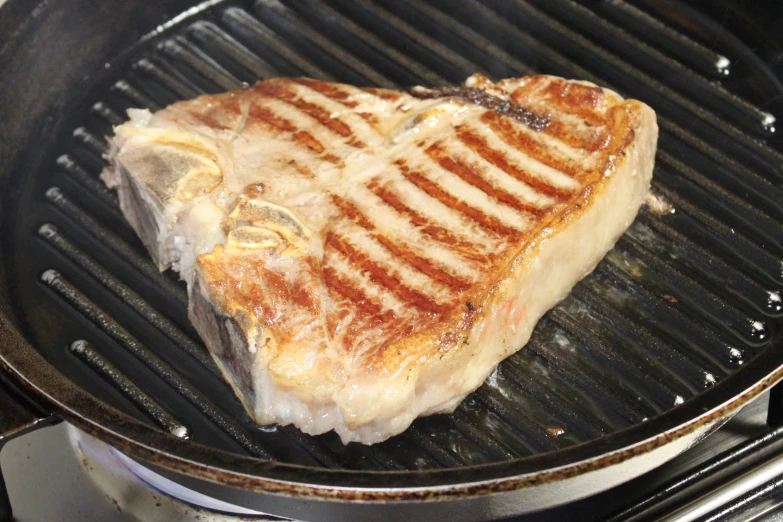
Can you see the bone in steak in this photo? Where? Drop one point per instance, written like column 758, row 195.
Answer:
column 358, row 257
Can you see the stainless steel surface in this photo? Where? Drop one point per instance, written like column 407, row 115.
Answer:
column 748, row 482
column 46, row 483
column 58, row 474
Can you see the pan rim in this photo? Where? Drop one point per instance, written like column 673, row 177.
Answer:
column 141, row 441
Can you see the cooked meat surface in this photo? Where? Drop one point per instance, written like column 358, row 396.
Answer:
column 356, row 257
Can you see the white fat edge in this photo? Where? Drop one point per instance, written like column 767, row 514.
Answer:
column 110, row 175
column 138, row 117
column 275, row 404
column 197, row 232
column 168, row 136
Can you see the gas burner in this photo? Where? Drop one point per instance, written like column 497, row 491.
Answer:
column 144, row 494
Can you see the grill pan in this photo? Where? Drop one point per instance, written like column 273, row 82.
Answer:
column 675, row 330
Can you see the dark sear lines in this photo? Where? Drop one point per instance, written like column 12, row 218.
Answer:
column 488, row 101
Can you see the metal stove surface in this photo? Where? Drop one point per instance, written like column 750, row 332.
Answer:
column 62, row 474
column 57, row 474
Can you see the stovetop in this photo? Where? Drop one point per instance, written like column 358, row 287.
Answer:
column 51, row 477
column 47, row 480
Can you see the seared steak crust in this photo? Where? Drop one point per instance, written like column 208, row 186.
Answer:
column 359, row 257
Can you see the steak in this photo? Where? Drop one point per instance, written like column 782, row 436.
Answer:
column 358, row 257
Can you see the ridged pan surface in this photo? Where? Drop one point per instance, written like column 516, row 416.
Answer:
column 689, row 295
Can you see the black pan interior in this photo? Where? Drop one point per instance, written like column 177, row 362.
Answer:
column 689, row 294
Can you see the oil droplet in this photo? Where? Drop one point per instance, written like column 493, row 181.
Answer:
column 657, row 204
column 492, row 380
column 723, row 65
column 709, row 379
column 768, row 123
column 774, row 301
column 758, row 330
column 555, row 431
column 678, row 400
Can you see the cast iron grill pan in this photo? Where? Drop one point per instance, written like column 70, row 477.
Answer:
column 683, row 301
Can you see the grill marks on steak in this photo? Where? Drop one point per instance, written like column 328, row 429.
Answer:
column 418, row 221
column 501, row 159
column 414, row 207
column 284, row 92
column 437, row 192
column 429, row 267
column 475, row 175
column 439, row 158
